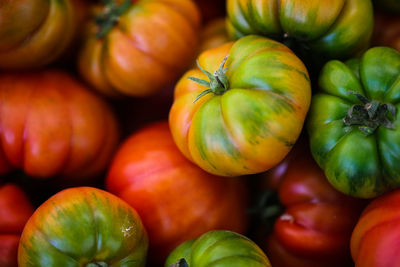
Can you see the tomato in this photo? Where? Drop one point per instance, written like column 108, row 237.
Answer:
column 138, row 48
column 15, row 210
column 213, row 35
column 34, row 33
column 250, row 123
column 219, row 248
column 51, row 125
column 316, row 222
column 176, row 200
column 387, row 30
column 320, row 29
column 375, row 239
column 83, row 226
column 354, row 125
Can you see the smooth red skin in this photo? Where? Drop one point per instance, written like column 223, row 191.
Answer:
column 317, row 222
column 386, row 30
column 375, row 241
column 15, row 210
column 52, row 125
column 176, row 200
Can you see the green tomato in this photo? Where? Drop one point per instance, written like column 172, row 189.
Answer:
column 354, row 125
column 218, row 249
column 328, row 29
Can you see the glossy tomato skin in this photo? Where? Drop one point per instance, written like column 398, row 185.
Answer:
column 52, row 125
column 83, row 225
column 356, row 163
column 317, row 221
column 387, row 30
column 328, row 29
column 254, row 124
column 176, row 200
column 374, row 241
column 147, row 49
column 15, row 210
column 34, row 33
column 220, row 248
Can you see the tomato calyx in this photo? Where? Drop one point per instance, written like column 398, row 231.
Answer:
column 370, row 115
column 218, row 82
column 180, row 263
column 97, row 264
column 110, row 16
column 267, row 208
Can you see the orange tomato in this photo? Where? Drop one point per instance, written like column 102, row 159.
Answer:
column 145, row 47
column 176, row 200
column 52, row 125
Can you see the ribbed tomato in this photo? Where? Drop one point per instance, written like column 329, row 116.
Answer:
column 33, row 33
column 15, row 210
column 218, row 249
column 52, row 125
column 313, row 28
column 375, row 239
column 137, row 48
column 176, row 200
column 83, row 226
column 316, row 222
column 253, row 111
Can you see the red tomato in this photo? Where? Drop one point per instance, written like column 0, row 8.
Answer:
column 176, row 200
column 15, row 210
column 315, row 227
column 386, row 30
column 52, row 125
column 375, row 241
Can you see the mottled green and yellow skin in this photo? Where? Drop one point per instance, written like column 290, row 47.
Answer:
column 355, row 163
column 219, row 249
column 82, row 226
column 254, row 124
column 331, row 29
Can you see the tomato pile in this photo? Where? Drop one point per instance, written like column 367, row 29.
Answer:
column 191, row 133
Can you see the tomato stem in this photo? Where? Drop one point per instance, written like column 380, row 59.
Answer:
column 110, row 16
column 97, row 264
column 218, row 82
column 180, row 263
column 370, row 114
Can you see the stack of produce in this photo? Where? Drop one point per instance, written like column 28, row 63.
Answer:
column 191, row 133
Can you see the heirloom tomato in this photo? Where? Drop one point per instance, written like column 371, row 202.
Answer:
column 387, row 30
column 176, row 200
column 250, row 114
column 83, row 226
column 34, row 33
column 137, row 48
column 219, row 249
column 15, row 210
column 52, row 125
column 323, row 29
column 354, row 124
column 375, row 239
column 315, row 221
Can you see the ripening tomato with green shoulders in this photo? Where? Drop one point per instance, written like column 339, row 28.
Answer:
column 354, row 123
column 83, row 226
column 312, row 28
column 34, row 33
column 135, row 48
column 15, row 210
column 218, row 249
column 176, row 199
column 248, row 114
